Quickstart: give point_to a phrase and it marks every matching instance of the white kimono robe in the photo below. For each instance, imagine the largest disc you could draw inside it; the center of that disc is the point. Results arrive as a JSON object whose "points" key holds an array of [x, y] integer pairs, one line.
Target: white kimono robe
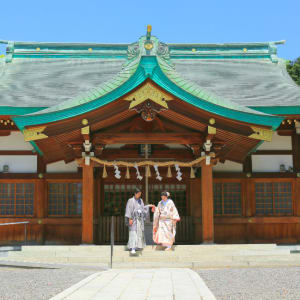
{"points": [[164, 227]]}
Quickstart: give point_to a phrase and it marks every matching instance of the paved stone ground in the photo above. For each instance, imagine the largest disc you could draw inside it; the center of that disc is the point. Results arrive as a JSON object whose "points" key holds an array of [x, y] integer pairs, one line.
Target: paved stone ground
{"points": [[140, 284], [29, 281], [253, 283]]}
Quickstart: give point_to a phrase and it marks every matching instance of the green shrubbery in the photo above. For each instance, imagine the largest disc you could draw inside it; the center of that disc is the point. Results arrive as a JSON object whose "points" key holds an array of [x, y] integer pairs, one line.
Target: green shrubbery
{"points": [[293, 68]]}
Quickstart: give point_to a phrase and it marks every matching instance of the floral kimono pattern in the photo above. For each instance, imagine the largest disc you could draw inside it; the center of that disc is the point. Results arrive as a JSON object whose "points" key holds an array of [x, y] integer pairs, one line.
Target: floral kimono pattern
{"points": [[164, 227]]}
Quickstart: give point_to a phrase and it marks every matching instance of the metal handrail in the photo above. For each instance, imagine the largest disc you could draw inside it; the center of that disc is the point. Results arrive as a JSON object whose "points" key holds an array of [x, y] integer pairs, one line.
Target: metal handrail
{"points": [[17, 223], [112, 240]]}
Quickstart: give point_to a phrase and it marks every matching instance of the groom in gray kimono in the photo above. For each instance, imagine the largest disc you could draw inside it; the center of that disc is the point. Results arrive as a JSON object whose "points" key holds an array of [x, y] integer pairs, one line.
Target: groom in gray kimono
{"points": [[135, 216]]}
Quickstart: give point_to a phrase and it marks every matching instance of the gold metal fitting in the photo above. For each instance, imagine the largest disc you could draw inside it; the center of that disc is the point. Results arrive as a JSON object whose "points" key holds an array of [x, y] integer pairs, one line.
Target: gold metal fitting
{"points": [[212, 121], [84, 122]]}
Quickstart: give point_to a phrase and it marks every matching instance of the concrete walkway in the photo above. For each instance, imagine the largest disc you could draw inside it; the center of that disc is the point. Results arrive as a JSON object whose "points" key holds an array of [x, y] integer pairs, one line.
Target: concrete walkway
{"points": [[139, 284]]}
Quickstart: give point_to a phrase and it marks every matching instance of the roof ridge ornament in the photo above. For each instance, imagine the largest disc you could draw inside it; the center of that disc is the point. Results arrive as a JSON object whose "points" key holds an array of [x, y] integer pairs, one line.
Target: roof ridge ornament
{"points": [[148, 44]]}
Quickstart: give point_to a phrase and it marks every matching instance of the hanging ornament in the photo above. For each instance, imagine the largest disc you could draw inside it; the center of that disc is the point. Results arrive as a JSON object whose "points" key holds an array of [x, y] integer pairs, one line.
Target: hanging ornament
{"points": [[179, 174], [169, 174], [148, 171], [104, 174], [192, 174], [138, 174], [127, 176], [117, 172], [158, 177]]}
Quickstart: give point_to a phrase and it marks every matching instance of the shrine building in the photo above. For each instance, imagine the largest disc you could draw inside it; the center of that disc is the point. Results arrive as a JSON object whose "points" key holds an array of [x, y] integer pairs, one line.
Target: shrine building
{"points": [[83, 124]]}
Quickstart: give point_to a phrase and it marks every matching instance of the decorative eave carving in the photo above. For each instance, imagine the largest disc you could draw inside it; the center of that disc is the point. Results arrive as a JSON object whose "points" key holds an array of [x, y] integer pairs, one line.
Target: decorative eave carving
{"points": [[261, 134], [35, 133], [148, 110], [146, 92]]}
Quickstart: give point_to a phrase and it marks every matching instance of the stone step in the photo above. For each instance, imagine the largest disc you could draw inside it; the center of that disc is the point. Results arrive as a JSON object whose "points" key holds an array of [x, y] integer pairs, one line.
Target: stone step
{"points": [[51, 259], [92, 248], [136, 262], [164, 257], [146, 254]]}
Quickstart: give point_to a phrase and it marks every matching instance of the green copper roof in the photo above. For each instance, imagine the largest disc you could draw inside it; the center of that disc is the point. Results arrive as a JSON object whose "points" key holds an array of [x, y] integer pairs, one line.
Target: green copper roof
{"points": [[18, 111], [61, 76], [149, 67]]}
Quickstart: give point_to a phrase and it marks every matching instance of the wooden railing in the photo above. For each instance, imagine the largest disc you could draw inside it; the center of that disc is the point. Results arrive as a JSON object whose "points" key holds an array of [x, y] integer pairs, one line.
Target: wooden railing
{"points": [[18, 223], [184, 228]]}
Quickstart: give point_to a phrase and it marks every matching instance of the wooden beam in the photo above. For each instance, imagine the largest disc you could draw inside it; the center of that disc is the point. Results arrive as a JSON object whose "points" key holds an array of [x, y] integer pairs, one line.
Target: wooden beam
{"points": [[207, 204], [272, 152], [5, 132], [88, 204], [17, 152], [180, 154], [147, 138]]}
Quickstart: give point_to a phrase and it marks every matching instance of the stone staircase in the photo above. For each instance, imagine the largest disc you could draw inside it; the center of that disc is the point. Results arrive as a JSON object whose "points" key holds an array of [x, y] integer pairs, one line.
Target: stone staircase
{"points": [[188, 256], [6, 250]]}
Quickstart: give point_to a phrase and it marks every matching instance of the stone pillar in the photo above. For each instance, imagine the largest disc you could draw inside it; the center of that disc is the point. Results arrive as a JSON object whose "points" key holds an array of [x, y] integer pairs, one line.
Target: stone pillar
{"points": [[207, 204], [88, 195]]}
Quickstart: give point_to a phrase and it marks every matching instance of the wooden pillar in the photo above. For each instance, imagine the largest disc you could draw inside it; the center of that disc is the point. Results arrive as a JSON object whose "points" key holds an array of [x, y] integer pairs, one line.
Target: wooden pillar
{"points": [[195, 208], [88, 204], [41, 166], [296, 152], [247, 165], [40, 205], [207, 204]]}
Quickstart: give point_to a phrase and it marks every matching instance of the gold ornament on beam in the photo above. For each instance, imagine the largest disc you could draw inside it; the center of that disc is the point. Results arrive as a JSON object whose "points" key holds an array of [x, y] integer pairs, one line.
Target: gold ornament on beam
{"points": [[261, 134], [104, 174], [127, 176], [169, 174], [192, 175], [145, 92], [33, 134]]}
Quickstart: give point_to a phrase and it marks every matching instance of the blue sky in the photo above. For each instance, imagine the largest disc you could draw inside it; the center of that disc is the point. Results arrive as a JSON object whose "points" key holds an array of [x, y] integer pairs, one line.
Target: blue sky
{"points": [[172, 21]]}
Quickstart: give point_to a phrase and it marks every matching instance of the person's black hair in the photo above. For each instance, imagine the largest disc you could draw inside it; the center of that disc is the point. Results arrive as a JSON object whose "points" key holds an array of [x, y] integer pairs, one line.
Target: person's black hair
{"points": [[164, 193], [137, 190]]}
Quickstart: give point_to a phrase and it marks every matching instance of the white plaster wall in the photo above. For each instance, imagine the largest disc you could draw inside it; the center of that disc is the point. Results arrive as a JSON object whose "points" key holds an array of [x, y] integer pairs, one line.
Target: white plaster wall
{"points": [[14, 141], [19, 163], [278, 143], [270, 163], [62, 167], [228, 166]]}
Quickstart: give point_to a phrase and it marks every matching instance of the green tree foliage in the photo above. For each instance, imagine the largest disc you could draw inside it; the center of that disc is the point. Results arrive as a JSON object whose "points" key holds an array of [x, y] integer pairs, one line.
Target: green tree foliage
{"points": [[293, 68]]}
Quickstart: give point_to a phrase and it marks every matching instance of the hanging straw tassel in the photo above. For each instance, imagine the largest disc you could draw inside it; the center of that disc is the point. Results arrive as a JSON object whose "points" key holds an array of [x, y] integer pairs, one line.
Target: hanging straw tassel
{"points": [[192, 175], [127, 176], [148, 171], [169, 174], [104, 174]]}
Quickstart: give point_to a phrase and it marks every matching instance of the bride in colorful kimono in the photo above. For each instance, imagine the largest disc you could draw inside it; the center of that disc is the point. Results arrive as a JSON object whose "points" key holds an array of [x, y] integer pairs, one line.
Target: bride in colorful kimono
{"points": [[164, 222]]}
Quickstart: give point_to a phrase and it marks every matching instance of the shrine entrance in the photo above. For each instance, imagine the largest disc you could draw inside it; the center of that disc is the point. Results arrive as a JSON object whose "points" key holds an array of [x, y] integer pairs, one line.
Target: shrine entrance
{"points": [[115, 196]]}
